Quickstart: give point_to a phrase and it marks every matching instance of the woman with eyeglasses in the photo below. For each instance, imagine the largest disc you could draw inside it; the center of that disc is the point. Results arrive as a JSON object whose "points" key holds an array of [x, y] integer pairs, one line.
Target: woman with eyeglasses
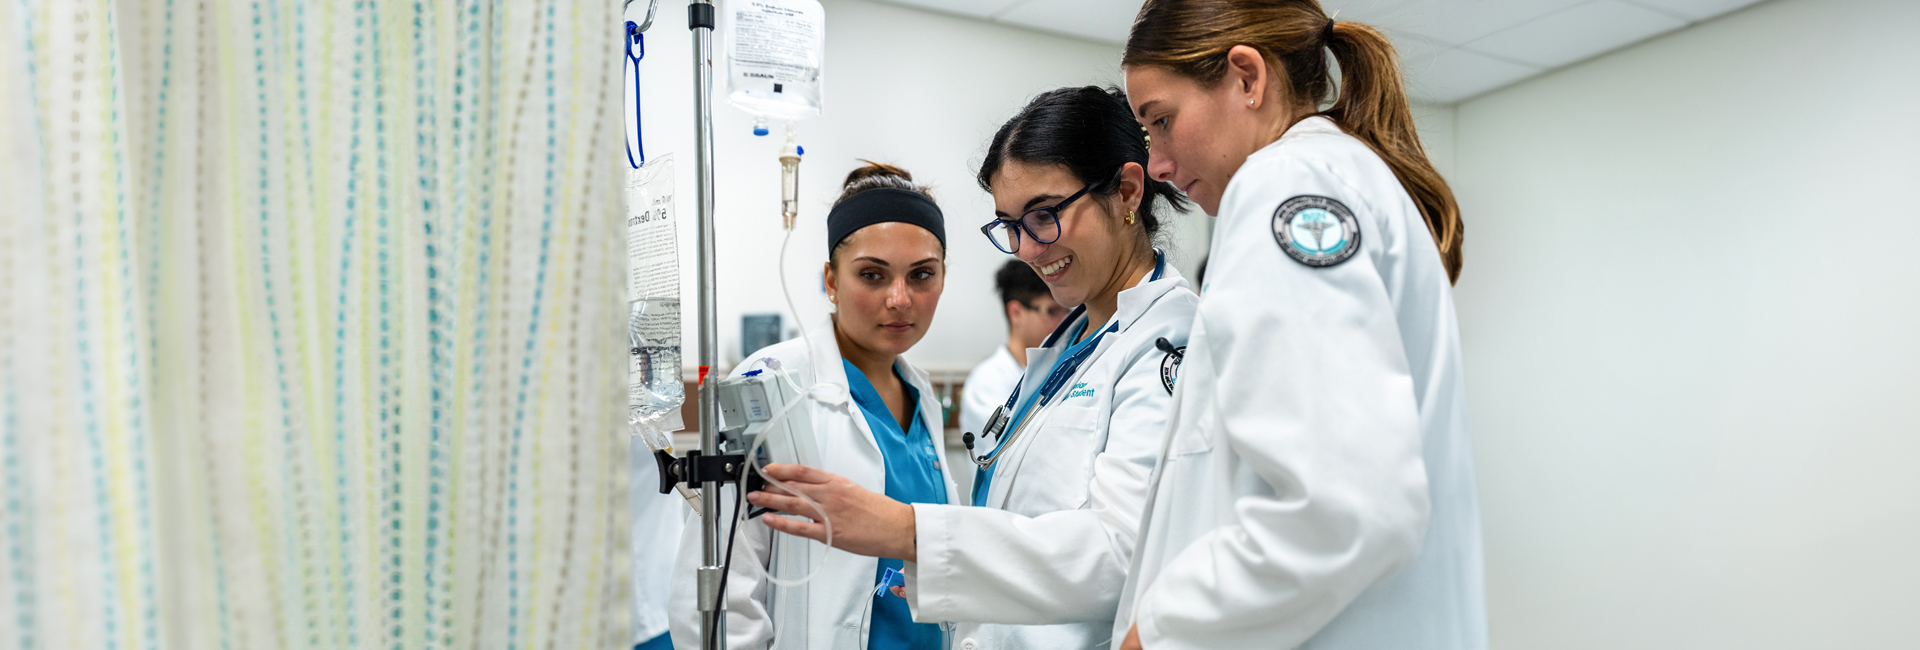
{"points": [[1062, 467]]}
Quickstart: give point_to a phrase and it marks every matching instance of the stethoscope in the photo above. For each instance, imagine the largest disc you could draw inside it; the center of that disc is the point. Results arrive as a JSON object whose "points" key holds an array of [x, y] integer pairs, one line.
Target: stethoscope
{"points": [[1062, 375]]}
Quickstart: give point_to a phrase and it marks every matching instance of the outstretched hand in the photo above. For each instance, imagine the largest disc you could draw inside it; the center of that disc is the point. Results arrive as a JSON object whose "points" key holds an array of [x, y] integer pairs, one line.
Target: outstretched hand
{"points": [[864, 523]]}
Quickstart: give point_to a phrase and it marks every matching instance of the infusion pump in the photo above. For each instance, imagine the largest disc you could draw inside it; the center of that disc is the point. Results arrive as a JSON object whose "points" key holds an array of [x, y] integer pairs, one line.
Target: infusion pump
{"points": [[748, 404]]}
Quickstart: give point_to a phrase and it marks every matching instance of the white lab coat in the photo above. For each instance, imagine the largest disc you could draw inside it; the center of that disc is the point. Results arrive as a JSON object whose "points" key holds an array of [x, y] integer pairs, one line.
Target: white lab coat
{"points": [[987, 387], [1317, 486], [657, 522], [1042, 565], [832, 611]]}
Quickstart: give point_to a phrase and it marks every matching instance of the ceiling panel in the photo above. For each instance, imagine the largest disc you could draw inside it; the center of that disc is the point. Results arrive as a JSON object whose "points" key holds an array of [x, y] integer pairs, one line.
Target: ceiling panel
{"points": [[1453, 49], [1577, 34], [1696, 10], [1454, 22], [1103, 20], [1455, 74], [974, 8]]}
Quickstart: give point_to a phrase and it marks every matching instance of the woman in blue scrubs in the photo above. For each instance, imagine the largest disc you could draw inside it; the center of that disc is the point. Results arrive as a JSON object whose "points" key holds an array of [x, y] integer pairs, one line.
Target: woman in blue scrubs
{"points": [[885, 271]]}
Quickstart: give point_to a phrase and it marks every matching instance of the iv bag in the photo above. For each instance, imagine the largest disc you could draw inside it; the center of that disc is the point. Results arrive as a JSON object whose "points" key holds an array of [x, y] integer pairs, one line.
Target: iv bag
{"points": [[774, 53], [654, 388]]}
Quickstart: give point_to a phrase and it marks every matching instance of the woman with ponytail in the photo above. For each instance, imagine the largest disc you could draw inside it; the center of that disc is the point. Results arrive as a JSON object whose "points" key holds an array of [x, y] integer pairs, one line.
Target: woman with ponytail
{"points": [[1316, 485]]}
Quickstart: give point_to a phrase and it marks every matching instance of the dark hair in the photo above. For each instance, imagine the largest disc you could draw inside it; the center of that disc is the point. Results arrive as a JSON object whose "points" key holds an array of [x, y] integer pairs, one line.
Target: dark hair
{"points": [[1191, 38], [1089, 130], [876, 176], [1018, 282]]}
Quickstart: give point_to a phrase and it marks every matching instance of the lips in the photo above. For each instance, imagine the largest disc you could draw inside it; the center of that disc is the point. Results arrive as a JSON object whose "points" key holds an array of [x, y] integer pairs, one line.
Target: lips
{"points": [[897, 327], [1054, 270]]}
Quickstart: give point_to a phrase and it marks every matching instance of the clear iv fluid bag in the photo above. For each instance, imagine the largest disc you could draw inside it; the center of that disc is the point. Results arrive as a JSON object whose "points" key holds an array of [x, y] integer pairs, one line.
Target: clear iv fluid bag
{"points": [[654, 385], [775, 49]]}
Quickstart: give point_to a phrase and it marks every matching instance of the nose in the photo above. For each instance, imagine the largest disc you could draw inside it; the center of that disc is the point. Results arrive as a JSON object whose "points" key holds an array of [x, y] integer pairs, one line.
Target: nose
{"points": [[898, 297], [1030, 250], [1159, 166]]}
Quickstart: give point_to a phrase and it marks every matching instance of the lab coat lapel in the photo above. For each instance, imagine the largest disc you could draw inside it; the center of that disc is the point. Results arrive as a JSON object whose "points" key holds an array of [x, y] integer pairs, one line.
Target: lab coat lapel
{"points": [[929, 406], [831, 370], [1005, 477]]}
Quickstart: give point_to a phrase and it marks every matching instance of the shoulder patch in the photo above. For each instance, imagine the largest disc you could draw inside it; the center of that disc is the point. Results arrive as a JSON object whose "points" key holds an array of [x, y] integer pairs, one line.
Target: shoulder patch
{"points": [[1170, 368], [1316, 231]]}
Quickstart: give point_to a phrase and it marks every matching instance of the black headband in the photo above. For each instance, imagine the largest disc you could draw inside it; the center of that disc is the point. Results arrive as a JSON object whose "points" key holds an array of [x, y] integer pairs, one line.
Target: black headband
{"points": [[881, 206]]}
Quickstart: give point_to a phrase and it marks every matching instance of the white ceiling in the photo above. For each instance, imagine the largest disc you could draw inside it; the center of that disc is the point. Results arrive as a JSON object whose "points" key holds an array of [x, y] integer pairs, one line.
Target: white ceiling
{"points": [[1452, 49]]}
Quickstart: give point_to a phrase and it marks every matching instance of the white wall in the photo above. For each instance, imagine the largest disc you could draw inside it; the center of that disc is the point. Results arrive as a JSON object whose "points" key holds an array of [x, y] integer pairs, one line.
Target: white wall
{"points": [[1691, 312], [917, 89]]}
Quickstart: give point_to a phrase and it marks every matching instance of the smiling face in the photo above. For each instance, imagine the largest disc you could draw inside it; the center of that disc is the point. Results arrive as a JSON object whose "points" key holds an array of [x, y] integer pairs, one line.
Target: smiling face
{"points": [[1088, 260], [886, 281]]}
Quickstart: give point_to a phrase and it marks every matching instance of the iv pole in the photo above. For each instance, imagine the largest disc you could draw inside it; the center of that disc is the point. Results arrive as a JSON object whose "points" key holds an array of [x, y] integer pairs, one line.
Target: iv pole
{"points": [[700, 20], [713, 626]]}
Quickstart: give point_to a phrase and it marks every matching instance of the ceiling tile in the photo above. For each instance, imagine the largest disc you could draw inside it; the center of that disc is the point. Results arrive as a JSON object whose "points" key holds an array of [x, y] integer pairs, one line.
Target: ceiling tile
{"points": [[1455, 74], [1453, 22], [1577, 34], [1696, 10], [1102, 20], [974, 8]]}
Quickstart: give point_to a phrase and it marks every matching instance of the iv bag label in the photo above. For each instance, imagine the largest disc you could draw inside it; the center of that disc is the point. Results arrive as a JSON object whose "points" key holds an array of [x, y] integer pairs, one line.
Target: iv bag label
{"points": [[654, 386], [777, 42]]}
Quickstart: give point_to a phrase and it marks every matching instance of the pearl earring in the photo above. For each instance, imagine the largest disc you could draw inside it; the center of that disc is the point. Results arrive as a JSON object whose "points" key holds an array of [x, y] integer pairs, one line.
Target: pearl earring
{"points": [[1129, 217]]}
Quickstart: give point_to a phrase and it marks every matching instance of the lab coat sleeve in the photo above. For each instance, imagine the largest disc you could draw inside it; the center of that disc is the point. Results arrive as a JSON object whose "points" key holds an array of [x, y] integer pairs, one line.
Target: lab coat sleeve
{"points": [[1314, 406], [993, 566], [749, 625]]}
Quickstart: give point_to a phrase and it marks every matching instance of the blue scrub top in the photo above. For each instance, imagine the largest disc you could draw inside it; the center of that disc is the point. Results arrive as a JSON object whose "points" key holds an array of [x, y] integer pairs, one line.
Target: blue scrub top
{"points": [[913, 476]]}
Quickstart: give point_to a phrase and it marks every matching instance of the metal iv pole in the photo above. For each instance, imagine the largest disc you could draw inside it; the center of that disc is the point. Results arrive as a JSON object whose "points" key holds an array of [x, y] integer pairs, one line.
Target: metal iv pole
{"points": [[713, 623]]}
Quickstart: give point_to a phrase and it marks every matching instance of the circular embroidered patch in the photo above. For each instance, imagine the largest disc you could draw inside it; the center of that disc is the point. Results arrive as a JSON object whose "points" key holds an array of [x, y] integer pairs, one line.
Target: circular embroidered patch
{"points": [[1316, 231], [1170, 368]]}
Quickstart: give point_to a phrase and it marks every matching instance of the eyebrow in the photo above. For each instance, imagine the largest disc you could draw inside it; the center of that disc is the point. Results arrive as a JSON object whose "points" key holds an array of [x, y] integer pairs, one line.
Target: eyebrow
{"points": [[881, 262], [1036, 200], [1148, 105]]}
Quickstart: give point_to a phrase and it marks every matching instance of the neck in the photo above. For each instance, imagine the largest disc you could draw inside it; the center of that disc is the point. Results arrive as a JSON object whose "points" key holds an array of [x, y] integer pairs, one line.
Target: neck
{"points": [[1102, 305], [1277, 125], [877, 366], [1018, 349]]}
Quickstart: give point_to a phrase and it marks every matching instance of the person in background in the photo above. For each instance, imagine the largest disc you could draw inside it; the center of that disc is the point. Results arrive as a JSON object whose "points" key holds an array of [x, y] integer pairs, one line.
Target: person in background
{"points": [[657, 523], [1031, 315]]}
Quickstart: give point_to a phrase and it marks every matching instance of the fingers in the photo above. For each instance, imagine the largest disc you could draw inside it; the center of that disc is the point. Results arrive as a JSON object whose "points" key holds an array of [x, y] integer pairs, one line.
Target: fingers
{"points": [[899, 591], [784, 503], [797, 527], [791, 473]]}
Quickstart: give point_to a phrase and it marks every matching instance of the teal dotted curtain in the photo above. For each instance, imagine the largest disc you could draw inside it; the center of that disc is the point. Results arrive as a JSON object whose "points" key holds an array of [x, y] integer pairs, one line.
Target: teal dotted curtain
{"points": [[311, 325]]}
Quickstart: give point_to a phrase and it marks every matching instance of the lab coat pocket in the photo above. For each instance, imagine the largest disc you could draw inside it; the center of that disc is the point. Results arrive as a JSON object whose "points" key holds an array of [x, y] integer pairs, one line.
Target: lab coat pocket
{"points": [[1058, 462]]}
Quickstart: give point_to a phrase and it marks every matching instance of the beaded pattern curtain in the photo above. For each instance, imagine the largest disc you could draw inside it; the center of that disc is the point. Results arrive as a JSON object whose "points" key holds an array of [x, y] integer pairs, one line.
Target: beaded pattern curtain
{"points": [[311, 325]]}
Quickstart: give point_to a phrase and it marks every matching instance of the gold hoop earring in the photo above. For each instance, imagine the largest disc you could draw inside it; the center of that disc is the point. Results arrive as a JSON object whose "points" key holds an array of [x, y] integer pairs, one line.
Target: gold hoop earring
{"points": [[1129, 217]]}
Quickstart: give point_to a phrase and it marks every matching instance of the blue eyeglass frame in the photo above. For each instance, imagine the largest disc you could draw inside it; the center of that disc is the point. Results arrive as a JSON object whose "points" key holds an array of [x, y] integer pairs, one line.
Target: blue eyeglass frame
{"points": [[1022, 224]]}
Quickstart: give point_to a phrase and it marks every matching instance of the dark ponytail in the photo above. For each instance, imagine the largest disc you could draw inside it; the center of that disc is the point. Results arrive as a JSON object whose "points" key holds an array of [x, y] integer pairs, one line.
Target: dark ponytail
{"points": [[1191, 38], [1090, 131]]}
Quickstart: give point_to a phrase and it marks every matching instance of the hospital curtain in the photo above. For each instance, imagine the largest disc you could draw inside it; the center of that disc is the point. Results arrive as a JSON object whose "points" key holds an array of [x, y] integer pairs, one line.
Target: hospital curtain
{"points": [[311, 325]]}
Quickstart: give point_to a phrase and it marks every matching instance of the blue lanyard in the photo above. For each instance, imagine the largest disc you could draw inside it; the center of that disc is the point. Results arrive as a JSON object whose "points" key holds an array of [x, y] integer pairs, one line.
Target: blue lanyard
{"points": [[635, 39]]}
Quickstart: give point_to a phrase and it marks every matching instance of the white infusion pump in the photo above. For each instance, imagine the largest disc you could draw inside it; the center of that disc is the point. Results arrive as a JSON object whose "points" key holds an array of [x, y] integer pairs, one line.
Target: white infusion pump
{"points": [[748, 404]]}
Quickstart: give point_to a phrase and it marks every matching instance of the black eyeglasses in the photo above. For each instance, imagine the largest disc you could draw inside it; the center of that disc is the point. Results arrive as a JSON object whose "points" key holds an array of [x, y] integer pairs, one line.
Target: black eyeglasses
{"points": [[1042, 224]]}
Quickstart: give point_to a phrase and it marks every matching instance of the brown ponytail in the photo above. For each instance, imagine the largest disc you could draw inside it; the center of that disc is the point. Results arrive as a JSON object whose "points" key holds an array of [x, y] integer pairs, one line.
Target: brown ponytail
{"points": [[1191, 38]]}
